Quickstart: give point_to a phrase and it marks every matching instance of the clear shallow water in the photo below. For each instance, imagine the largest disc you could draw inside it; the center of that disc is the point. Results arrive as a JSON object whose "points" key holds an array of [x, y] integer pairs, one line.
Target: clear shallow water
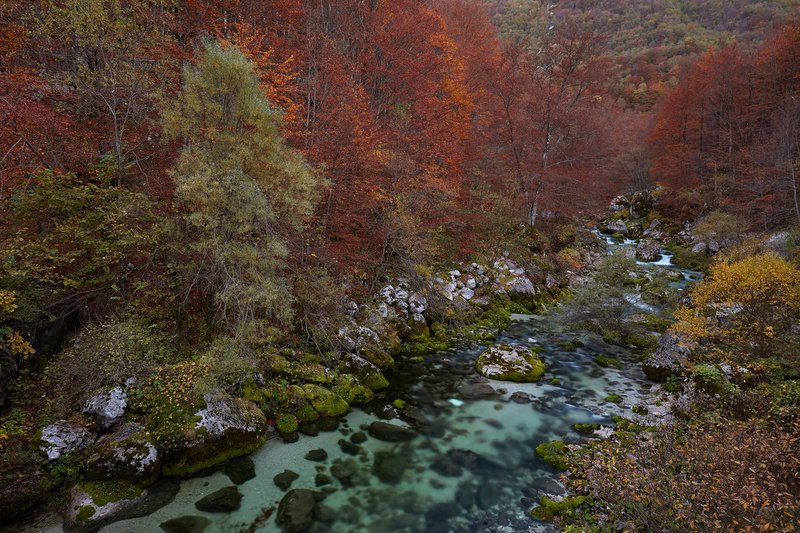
{"points": [[493, 494]]}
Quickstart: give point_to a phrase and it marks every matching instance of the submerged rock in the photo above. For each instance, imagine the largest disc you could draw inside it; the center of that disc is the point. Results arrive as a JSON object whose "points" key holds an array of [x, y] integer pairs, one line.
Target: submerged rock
{"points": [[477, 391], [186, 524], [391, 432], [348, 447], [509, 363], [296, 511], [225, 500], [317, 455], [240, 470], [389, 467], [344, 470], [520, 397], [285, 479]]}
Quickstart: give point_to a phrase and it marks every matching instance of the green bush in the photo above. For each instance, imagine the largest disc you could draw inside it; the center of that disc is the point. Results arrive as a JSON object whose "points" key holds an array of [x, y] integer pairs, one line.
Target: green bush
{"points": [[101, 356]]}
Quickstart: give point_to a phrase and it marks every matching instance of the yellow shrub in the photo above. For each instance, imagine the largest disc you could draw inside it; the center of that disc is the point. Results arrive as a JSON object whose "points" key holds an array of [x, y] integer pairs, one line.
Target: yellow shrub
{"points": [[744, 305], [7, 302]]}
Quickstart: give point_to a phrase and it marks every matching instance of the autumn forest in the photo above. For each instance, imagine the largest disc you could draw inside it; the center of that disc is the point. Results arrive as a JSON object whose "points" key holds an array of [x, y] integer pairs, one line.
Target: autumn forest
{"points": [[231, 229]]}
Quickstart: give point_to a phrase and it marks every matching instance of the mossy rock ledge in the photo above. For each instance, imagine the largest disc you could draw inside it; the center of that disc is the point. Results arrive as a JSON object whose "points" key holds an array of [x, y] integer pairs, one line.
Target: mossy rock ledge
{"points": [[509, 363]]}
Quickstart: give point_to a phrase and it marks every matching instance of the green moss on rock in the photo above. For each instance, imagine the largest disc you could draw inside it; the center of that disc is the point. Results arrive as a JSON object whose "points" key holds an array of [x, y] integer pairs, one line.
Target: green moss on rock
{"points": [[105, 492], [554, 454], [509, 363], [286, 423], [325, 402], [351, 390], [549, 508], [605, 361], [586, 429], [614, 398], [85, 513]]}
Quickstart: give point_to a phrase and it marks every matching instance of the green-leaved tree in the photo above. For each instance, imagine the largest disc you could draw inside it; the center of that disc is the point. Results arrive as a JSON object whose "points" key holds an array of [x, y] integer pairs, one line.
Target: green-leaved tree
{"points": [[243, 193]]}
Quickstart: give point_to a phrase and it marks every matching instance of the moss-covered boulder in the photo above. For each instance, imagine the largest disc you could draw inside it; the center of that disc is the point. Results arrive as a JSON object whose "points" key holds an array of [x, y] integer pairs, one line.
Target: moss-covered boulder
{"points": [[95, 505], [127, 455], [509, 363], [299, 367], [351, 390], [554, 454], [286, 423], [324, 401], [378, 356], [225, 428], [367, 373]]}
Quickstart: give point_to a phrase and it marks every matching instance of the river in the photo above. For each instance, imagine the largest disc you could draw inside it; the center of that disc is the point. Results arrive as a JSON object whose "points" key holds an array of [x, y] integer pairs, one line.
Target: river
{"points": [[471, 468]]}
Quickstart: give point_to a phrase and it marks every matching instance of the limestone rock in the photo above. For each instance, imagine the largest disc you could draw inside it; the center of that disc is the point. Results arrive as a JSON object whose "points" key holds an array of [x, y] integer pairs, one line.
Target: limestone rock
{"points": [[648, 250], [107, 407], [84, 514], [62, 437], [670, 358], [509, 363], [127, 454], [618, 226], [226, 427]]}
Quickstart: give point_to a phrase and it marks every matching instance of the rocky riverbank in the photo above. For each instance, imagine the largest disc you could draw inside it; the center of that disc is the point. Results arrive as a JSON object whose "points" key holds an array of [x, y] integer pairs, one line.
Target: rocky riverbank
{"points": [[119, 441]]}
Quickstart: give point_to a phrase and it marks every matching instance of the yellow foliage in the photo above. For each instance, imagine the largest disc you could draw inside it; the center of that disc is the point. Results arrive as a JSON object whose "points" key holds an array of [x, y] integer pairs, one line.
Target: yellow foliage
{"points": [[18, 346], [744, 304], [7, 302]]}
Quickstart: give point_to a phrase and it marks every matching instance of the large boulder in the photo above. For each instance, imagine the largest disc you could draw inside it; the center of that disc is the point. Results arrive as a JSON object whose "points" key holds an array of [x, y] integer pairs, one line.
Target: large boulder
{"points": [[62, 437], [351, 390], [617, 226], [226, 427], [648, 250], [127, 455], [670, 358], [521, 289], [509, 363], [94, 507], [107, 407]]}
